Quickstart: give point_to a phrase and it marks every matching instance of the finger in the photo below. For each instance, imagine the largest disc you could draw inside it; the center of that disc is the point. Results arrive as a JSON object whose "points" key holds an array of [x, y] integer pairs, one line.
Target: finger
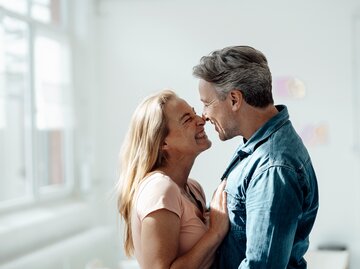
{"points": [[224, 200]]}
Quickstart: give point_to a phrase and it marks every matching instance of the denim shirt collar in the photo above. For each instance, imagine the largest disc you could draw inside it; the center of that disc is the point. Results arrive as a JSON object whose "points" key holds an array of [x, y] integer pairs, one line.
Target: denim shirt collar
{"points": [[263, 133]]}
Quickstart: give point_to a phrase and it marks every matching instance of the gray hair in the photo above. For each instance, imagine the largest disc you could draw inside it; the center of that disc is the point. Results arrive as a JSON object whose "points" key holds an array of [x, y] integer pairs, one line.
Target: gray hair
{"points": [[238, 67]]}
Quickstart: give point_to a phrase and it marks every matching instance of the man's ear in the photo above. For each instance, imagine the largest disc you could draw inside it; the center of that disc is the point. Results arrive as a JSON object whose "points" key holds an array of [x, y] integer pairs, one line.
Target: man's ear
{"points": [[236, 99]]}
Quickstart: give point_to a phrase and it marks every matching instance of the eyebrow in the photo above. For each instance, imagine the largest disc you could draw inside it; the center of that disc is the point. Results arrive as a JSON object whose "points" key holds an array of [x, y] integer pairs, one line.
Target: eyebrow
{"points": [[186, 115]]}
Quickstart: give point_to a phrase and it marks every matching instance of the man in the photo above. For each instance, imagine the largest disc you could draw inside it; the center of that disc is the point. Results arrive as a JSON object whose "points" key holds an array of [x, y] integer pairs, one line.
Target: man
{"points": [[272, 193]]}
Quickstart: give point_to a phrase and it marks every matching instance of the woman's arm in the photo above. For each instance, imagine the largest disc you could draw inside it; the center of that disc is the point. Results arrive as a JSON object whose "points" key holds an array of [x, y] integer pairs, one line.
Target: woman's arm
{"points": [[160, 238]]}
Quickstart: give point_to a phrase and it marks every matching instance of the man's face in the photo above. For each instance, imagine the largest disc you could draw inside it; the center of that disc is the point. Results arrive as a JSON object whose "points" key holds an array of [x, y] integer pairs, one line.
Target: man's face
{"points": [[218, 112]]}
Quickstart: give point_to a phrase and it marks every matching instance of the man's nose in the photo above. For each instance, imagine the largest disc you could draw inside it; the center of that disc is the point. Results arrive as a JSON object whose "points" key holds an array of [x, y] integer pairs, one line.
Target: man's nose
{"points": [[205, 118]]}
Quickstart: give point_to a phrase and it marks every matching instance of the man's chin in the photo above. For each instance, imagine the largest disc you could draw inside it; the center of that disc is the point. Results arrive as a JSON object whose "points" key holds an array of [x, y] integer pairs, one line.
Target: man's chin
{"points": [[224, 137]]}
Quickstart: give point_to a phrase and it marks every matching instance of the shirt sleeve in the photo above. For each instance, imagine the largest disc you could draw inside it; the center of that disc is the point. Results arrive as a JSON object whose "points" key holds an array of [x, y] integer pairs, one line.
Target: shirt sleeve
{"points": [[159, 193], [273, 205], [198, 191]]}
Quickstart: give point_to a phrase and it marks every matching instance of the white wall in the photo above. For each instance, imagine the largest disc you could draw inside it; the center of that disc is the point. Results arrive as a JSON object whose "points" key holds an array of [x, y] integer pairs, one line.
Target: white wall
{"points": [[144, 46]]}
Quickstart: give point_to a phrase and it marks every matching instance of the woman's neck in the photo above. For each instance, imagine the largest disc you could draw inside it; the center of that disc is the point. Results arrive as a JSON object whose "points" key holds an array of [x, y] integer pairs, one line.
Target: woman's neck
{"points": [[178, 173]]}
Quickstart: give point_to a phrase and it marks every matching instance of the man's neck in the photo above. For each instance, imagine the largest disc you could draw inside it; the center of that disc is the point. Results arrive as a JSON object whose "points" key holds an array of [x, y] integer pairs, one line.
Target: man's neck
{"points": [[254, 118]]}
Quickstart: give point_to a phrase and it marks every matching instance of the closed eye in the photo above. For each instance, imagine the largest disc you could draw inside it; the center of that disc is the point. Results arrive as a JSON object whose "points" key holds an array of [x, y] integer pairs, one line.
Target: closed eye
{"points": [[189, 119], [210, 103]]}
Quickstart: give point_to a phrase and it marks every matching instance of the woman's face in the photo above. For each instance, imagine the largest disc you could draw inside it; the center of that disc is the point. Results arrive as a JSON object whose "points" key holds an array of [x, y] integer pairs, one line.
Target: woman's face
{"points": [[187, 137]]}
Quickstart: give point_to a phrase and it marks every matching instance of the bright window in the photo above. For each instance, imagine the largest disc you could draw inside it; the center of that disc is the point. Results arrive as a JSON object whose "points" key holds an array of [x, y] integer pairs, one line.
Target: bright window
{"points": [[35, 102]]}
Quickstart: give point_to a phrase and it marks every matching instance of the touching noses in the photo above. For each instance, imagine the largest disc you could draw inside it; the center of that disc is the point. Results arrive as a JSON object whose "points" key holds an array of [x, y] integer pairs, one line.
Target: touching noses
{"points": [[201, 120], [204, 117]]}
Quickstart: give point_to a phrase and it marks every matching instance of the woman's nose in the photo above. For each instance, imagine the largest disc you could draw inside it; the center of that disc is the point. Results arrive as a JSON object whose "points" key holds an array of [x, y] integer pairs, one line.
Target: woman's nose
{"points": [[201, 120]]}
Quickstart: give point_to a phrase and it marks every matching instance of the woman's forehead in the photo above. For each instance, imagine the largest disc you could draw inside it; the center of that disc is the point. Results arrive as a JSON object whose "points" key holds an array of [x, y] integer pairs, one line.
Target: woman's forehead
{"points": [[176, 107]]}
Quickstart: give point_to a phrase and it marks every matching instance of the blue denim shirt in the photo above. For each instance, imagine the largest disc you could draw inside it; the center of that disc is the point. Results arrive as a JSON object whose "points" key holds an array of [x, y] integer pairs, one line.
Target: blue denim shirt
{"points": [[272, 200]]}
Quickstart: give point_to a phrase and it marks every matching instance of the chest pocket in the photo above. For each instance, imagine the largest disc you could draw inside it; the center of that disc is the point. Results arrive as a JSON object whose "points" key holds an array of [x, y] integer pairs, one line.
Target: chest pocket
{"points": [[236, 196], [237, 211]]}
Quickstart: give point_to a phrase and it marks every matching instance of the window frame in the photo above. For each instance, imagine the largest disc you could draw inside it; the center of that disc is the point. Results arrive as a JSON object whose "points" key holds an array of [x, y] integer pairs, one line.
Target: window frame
{"points": [[38, 194]]}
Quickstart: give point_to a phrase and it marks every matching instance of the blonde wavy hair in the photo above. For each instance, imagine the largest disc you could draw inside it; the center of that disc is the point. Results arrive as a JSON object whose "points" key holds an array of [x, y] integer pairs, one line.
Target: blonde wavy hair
{"points": [[141, 153]]}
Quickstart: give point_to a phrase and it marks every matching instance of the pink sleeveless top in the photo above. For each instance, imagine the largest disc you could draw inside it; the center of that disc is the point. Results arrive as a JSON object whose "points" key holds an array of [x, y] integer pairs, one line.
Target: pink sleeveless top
{"points": [[158, 191]]}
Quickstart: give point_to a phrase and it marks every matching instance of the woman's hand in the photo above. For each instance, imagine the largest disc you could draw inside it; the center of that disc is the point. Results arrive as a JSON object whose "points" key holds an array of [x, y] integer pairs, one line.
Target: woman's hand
{"points": [[219, 219], [160, 237]]}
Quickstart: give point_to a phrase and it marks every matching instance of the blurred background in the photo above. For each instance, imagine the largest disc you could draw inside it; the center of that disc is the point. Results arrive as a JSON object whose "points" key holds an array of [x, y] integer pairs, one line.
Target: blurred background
{"points": [[73, 71]]}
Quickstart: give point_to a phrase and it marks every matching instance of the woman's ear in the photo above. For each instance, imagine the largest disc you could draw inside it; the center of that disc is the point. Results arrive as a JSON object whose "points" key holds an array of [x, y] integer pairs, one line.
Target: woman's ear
{"points": [[165, 145], [236, 99]]}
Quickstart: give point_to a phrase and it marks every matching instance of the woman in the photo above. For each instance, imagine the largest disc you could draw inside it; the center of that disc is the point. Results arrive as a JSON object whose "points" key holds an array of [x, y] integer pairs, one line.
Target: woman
{"points": [[166, 222]]}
